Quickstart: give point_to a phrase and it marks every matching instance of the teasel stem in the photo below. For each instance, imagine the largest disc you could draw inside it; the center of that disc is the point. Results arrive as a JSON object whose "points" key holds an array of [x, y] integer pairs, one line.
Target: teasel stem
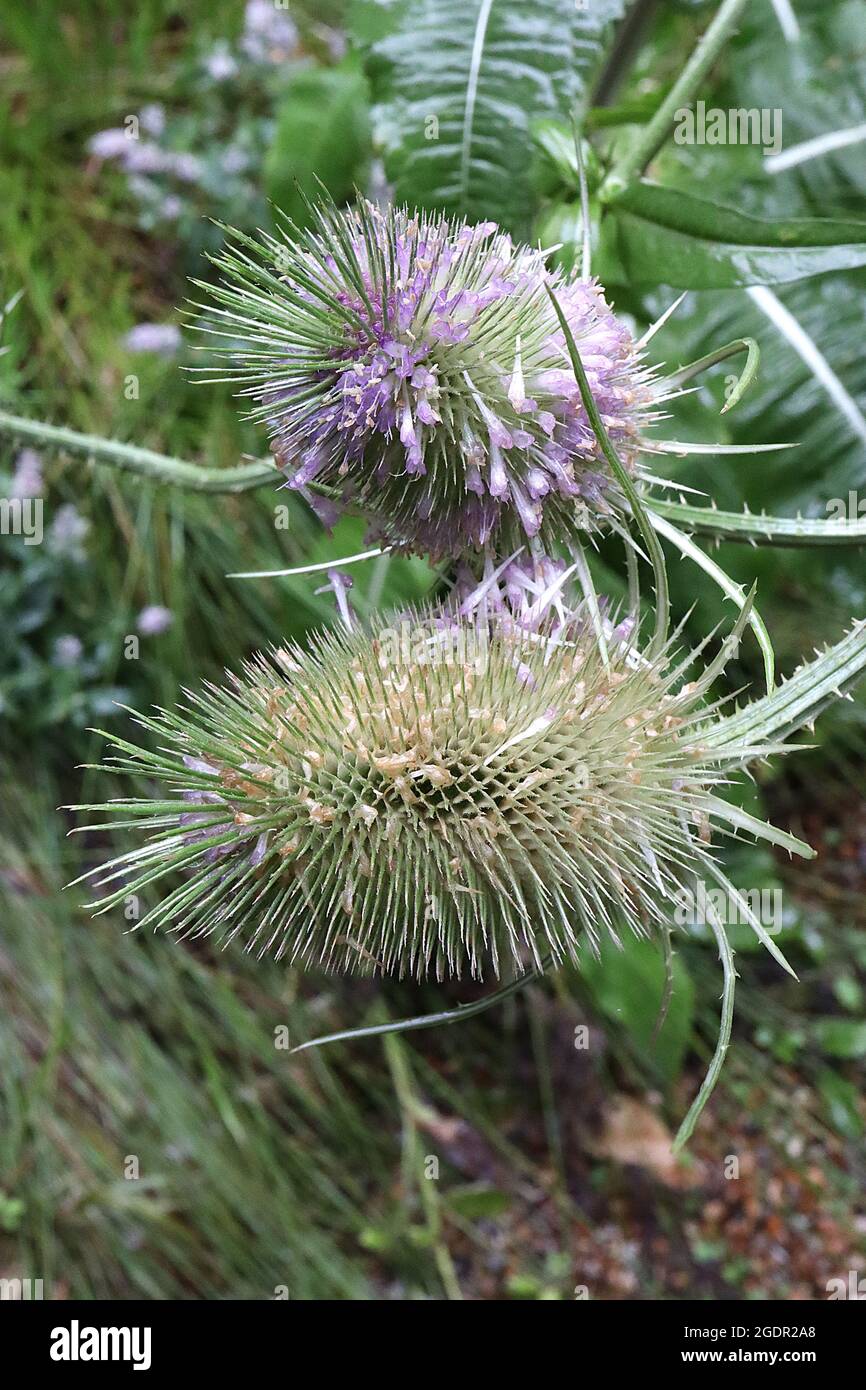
{"points": [[159, 468], [706, 52], [761, 530], [463, 1011], [641, 516]]}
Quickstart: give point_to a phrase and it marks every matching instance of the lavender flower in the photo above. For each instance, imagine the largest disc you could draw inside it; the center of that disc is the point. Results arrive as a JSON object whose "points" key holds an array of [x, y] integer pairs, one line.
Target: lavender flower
{"points": [[269, 35], [68, 532], [68, 651], [144, 157], [27, 478], [235, 160], [154, 619], [171, 208], [164, 339], [110, 144], [220, 63], [414, 368], [152, 119], [186, 167]]}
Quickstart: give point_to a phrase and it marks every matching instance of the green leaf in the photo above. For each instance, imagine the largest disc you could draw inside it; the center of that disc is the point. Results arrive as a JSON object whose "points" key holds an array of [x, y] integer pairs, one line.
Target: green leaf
{"points": [[849, 992], [478, 1202], [459, 86], [842, 1099], [652, 234], [628, 986], [801, 597], [827, 69], [322, 136], [841, 1037], [368, 21], [799, 699]]}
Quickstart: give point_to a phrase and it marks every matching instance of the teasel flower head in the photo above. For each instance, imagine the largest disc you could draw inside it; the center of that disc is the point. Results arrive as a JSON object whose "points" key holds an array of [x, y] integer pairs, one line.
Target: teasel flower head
{"points": [[450, 795], [413, 368]]}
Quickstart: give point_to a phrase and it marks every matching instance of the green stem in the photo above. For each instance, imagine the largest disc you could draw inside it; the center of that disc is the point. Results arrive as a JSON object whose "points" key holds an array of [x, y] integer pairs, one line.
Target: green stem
{"points": [[761, 530], [414, 1164], [730, 975], [639, 512], [463, 1011], [159, 468], [654, 135]]}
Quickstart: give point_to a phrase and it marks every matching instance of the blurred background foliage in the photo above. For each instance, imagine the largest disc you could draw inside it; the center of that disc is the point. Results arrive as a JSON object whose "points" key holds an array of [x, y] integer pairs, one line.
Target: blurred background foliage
{"points": [[260, 1174]]}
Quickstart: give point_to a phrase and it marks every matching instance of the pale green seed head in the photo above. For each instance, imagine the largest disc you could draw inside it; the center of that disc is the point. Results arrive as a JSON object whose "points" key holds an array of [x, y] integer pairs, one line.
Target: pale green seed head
{"points": [[436, 798]]}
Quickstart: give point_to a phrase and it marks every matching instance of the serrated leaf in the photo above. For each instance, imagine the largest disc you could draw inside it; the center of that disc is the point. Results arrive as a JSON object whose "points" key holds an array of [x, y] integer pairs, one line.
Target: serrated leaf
{"points": [[459, 85]]}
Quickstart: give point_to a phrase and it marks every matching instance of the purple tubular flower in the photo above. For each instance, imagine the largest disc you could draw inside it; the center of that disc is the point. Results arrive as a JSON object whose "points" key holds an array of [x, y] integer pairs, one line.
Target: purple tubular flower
{"points": [[413, 368]]}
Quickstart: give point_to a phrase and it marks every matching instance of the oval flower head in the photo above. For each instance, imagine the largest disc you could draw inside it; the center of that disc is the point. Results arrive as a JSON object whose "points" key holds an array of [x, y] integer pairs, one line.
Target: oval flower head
{"points": [[413, 368], [446, 797]]}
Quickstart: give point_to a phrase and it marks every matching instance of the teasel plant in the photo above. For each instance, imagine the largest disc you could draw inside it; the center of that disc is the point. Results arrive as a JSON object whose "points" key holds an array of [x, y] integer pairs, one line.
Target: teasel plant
{"points": [[444, 383], [539, 772]]}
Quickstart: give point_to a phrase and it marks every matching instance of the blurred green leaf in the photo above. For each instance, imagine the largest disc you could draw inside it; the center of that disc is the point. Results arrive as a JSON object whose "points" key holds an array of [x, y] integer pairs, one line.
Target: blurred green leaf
{"points": [[656, 235], [477, 1203], [841, 1037], [628, 986], [459, 85], [842, 1099], [322, 135], [849, 992]]}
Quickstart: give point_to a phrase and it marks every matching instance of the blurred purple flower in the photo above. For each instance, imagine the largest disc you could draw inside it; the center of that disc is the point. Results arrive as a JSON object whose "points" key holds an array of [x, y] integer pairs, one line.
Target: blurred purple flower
{"points": [[27, 478], [162, 338], [269, 34], [154, 619], [68, 651], [110, 144], [67, 533], [143, 157], [187, 167], [235, 160], [220, 64], [152, 119]]}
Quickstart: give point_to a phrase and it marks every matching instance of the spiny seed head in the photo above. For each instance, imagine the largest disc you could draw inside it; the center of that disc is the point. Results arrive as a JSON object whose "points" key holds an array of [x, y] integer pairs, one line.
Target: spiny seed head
{"points": [[414, 368], [442, 797]]}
